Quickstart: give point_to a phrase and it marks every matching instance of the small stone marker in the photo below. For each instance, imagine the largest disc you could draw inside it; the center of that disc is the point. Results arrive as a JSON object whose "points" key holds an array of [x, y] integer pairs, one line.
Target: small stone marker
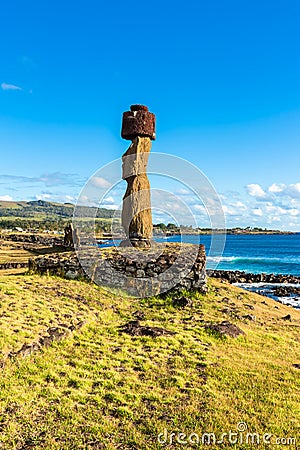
{"points": [[138, 126]]}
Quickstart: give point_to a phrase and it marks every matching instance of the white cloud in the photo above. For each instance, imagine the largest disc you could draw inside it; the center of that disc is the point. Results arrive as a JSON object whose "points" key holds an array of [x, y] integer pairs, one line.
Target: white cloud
{"points": [[276, 210], [274, 219], [109, 206], [255, 190], [110, 203], [10, 87], [58, 178], [239, 205], [108, 200], [276, 188], [43, 196], [183, 191], [199, 209], [49, 179], [293, 190], [257, 212], [100, 182], [6, 198], [70, 198], [274, 206], [58, 197], [229, 211]]}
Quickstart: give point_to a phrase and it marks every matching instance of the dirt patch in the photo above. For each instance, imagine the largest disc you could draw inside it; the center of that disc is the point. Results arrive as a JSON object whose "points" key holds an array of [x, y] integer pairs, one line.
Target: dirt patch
{"points": [[134, 328], [225, 329], [182, 302]]}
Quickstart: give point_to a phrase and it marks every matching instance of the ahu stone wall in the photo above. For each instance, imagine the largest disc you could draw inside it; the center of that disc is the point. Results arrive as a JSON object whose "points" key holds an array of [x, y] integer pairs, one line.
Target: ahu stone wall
{"points": [[164, 267]]}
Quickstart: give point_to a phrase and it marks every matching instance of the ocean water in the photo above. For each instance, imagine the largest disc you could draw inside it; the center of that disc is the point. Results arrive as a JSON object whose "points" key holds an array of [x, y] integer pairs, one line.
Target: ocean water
{"points": [[278, 254]]}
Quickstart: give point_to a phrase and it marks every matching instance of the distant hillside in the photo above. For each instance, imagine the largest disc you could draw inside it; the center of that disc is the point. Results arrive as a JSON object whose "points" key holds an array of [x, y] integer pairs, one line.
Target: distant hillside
{"points": [[41, 209]]}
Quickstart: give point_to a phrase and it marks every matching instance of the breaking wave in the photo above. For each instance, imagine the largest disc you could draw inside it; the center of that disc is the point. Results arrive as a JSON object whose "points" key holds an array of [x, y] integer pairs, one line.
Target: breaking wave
{"points": [[255, 259]]}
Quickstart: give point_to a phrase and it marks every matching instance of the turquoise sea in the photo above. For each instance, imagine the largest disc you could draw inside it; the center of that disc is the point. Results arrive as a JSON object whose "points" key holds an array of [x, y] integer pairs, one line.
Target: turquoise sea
{"points": [[279, 254]]}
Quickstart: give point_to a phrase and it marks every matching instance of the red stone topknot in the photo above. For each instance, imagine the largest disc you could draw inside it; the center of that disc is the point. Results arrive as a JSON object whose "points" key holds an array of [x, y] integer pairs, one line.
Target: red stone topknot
{"points": [[138, 122]]}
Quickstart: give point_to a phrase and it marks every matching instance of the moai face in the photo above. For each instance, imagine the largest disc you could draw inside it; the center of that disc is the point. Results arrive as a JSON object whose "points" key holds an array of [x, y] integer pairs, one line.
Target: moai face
{"points": [[138, 122]]}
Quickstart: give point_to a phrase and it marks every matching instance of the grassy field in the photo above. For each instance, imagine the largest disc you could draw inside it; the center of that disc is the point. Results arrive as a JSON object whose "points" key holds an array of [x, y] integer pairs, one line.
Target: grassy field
{"points": [[13, 252], [104, 389]]}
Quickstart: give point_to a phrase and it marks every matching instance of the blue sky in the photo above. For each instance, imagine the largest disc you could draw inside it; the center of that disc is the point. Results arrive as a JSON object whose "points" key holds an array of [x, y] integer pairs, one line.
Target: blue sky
{"points": [[221, 77]]}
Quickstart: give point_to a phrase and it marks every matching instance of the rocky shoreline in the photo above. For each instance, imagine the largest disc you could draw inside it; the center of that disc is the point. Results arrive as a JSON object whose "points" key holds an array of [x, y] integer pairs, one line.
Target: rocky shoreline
{"points": [[280, 287], [237, 276]]}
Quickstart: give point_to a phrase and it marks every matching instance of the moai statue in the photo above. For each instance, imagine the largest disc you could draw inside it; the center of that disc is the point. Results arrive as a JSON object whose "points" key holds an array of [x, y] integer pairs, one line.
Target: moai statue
{"points": [[71, 237], [139, 127]]}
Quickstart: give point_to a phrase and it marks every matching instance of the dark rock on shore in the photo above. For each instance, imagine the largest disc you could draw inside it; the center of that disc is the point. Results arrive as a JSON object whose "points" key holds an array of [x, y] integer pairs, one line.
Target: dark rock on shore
{"points": [[238, 276], [285, 291], [268, 283]]}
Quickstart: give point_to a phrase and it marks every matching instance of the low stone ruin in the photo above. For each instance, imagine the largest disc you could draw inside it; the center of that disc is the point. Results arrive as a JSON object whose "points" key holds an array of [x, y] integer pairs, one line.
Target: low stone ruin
{"points": [[47, 241], [117, 270]]}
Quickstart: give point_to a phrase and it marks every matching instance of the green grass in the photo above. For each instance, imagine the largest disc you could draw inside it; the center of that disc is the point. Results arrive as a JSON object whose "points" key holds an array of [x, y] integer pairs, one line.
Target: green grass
{"points": [[100, 388], [13, 252]]}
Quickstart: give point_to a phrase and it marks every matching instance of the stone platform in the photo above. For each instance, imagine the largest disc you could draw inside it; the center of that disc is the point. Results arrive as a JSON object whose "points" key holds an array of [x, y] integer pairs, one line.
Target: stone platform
{"points": [[164, 267]]}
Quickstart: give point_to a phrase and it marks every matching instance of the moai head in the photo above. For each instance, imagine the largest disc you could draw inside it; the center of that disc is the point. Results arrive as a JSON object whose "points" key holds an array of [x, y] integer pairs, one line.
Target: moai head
{"points": [[138, 122]]}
